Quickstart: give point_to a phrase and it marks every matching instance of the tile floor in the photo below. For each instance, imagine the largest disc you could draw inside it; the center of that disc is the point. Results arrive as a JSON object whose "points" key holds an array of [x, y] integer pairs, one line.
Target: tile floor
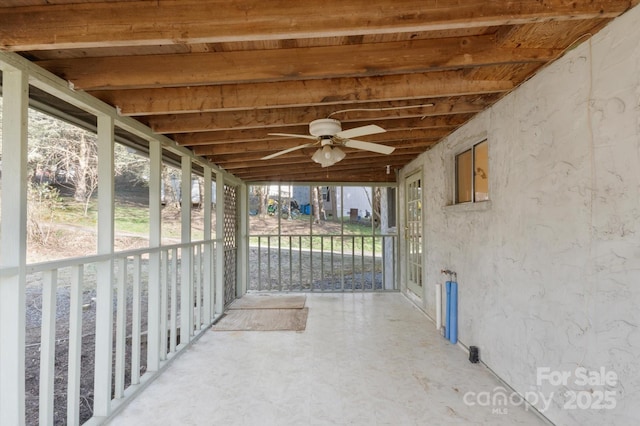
{"points": [[364, 359]]}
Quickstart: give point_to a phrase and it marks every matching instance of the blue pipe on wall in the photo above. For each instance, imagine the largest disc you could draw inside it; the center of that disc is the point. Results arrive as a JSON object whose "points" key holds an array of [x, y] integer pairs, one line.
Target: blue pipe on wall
{"points": [[447, 321], [453, 321]]}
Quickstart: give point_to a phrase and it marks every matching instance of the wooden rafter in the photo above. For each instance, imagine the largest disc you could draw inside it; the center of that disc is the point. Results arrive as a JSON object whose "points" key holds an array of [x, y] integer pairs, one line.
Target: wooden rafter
{"points": [[278, 143], [213, 21], [208, 122], [267, 118], [219, 76], [337, 91], [291, 64]]}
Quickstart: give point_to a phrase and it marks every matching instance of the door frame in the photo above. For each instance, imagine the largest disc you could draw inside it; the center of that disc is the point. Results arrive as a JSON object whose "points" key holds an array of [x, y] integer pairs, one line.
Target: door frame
{"points": [[414, 287]]}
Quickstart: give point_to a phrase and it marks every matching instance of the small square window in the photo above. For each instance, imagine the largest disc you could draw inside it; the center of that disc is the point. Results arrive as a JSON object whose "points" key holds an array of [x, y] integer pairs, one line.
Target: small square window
{"points": [[472, 174]]}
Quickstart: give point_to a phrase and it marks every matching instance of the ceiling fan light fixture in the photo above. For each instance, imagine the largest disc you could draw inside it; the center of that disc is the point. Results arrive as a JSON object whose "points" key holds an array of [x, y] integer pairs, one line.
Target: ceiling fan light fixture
{"points": [[328, 156], [326, 152], [337, 155], [317, 156]]}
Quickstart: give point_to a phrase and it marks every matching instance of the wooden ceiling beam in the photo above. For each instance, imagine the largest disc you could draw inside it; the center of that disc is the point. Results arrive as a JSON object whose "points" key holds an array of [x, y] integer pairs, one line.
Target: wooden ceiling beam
{"points": [[370, 180], [364, 167], [202, 122], [300, 93], [326, 176], [240, 163], [305, 155], [260, 150], [269, 147], [276, 142], [259, 136], [266, 118], [356, 163], [342, 165], [137, 23], [328, 173], [232, 153], [363, 60]]}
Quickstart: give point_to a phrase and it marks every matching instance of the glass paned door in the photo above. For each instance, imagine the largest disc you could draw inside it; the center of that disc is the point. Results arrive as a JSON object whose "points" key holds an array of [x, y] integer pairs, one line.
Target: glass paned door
{"points": [[413, 233]]}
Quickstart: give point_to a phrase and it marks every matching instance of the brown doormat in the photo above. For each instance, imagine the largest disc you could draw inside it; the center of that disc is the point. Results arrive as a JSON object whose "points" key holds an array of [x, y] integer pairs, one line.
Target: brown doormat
{"points": [[269, 301], [263, 320]]}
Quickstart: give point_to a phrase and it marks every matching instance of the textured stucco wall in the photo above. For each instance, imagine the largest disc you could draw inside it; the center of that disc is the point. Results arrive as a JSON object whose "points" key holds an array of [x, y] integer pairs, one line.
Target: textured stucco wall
{"points": [[549, 269]]}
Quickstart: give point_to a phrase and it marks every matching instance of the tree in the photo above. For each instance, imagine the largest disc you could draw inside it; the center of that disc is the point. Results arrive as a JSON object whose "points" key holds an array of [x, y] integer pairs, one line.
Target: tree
{"points": [[261, 193], [67, 156], [334, 202], [376, 206], [131, 166], [44, 202], [171, 178], [318, 204]]}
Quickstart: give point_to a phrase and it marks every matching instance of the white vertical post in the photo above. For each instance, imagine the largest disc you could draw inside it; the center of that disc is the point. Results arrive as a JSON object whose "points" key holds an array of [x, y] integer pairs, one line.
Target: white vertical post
{"points": [[121, 327], [104, 312], [75, 347], [208, 252], [197, 267], [173, 339], [242, 240], [155, 240], [219, 287], [164, 303], [186, 282], [136, 321], [13, 247], [48, 345]]}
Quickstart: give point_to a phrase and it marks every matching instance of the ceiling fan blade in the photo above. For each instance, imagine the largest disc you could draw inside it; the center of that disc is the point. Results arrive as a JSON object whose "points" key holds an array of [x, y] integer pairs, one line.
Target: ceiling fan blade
{"points": [[288, 135], [371, 129], [288, 150], [368, 146]]}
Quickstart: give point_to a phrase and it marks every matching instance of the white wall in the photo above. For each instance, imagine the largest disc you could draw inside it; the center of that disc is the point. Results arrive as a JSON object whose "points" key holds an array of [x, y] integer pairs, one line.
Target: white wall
{"points": [[549, 269], [356, 197]]}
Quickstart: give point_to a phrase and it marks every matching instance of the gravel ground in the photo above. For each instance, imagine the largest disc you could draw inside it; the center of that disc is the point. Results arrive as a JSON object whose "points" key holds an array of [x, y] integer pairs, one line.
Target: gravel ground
{"points": [[313, 272]]}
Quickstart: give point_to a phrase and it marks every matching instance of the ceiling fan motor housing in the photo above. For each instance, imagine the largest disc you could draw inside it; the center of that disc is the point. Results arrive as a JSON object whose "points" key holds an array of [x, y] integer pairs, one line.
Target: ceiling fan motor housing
{"points": [[324, 127]]}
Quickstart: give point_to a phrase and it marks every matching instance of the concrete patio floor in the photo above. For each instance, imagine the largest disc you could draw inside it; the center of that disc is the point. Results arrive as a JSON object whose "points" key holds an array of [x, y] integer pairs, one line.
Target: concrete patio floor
{"points": [[364, 359]]}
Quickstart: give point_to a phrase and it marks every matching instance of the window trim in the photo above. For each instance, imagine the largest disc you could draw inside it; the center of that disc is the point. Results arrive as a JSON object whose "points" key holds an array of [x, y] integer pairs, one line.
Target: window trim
{"points": [[468, 147], [456, 184]]}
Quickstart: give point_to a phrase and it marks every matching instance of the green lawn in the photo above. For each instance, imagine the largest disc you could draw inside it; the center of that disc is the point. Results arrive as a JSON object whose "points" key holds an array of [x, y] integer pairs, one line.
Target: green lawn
{"points": [[347, 236], [128, 218], [134, 219]]}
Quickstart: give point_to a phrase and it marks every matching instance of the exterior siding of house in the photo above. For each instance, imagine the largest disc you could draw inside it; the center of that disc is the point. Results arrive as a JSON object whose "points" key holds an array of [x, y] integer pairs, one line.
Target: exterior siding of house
{"points": [[549, 268]]}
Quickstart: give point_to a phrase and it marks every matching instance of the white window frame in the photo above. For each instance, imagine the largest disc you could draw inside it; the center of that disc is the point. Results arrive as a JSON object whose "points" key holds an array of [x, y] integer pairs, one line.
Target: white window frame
{"points": [[468, 147]]}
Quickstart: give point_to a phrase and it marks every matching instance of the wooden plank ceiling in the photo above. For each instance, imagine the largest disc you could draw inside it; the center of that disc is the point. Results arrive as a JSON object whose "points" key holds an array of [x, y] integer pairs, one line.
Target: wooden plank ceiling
{"points": [[218, 76]]}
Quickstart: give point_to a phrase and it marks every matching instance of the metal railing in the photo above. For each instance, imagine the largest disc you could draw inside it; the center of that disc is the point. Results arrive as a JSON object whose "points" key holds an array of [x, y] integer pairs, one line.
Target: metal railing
{"points": [[323, 262], [150, 314]]}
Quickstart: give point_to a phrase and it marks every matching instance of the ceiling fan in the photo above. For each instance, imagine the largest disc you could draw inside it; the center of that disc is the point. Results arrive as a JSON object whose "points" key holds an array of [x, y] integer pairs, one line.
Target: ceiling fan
{"points": [[329, 134]]}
